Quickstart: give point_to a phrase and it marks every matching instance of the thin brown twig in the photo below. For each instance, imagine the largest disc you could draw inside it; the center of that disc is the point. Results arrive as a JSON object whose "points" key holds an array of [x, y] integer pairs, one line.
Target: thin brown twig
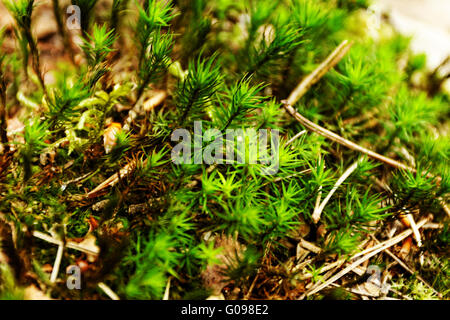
{"points": [[347, 143], [319, 72], [252, 286], [69, 244], [379, 248], [406, 267], [313, 78]]}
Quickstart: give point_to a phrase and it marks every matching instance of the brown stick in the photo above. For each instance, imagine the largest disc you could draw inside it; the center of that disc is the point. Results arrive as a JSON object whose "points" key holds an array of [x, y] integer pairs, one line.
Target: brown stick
{"points": [[112, 180], [313, 78], [347, 143], [407, 268], [319, 72], [381, 247]]}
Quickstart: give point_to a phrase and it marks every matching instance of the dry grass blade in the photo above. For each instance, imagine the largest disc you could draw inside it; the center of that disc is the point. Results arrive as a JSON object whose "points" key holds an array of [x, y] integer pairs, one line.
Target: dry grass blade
{"points": [[328, 267], [318, 210], [298, 135], [414, 228], [167, 291], [407, 268]]}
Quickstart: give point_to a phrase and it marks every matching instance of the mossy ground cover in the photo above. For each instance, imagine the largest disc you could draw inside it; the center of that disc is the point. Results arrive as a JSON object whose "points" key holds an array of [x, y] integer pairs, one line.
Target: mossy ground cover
{"points": [[93, 205]]}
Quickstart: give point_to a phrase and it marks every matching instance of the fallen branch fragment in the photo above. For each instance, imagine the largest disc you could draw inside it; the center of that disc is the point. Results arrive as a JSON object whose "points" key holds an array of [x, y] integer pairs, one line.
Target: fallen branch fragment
{"points": [[372, 252], [310, 80], [107, 290], [69, 244], [446, 209], [158, 98], [111, 181], [347, 143], [310, 246]]}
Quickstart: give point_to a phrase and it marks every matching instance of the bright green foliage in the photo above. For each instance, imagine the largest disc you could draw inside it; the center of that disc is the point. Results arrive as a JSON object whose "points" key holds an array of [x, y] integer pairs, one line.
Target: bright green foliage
{"points": [[123, 144], [200, 84], [99, 45], [8, 288], [151, 258], [63, 100], [419, 189], [242, 98], [266, 53], [156, 60], [198, 28], [97, 48], [21, 10], [34, 136]]}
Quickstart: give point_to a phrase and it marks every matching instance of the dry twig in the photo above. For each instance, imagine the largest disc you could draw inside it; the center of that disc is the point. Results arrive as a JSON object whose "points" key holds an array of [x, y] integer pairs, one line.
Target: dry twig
{"points": [[69, 244], [372, 252], [107, 290], [310, 80], [319, 72], [407, 268]]}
